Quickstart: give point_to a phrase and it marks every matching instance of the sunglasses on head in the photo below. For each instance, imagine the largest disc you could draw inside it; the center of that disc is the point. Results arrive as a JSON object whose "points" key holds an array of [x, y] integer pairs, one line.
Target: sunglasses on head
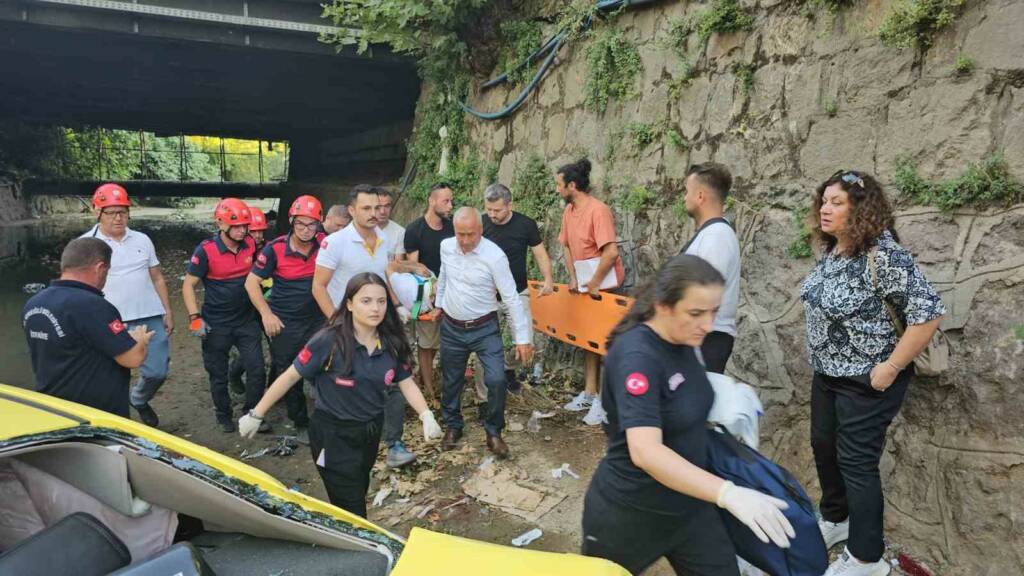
{"points": [[850, 177]]}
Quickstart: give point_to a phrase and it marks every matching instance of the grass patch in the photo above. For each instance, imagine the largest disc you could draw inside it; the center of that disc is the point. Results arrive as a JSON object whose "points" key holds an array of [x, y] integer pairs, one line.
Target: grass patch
{"points": [[831, 108], [964, 65], [744, 76], [636, 199]]}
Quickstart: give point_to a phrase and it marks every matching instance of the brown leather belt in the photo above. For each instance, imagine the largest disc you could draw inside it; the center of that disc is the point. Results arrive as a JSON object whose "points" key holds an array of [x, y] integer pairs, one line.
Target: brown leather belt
{"points": [[467, 324]]}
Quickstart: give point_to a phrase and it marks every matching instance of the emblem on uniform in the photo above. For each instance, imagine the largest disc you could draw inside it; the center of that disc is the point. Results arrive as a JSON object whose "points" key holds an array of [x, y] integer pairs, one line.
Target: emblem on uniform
{"points": [[304, 356], [261, 260], [116, 326], [636, 384], [346, 382], [195, 260], [389, 377], [675, 381]]}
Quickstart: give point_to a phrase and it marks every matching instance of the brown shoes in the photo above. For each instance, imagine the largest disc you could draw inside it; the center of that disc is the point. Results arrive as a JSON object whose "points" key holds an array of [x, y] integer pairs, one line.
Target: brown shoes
{"points": [[497, 446], [451, 438]]}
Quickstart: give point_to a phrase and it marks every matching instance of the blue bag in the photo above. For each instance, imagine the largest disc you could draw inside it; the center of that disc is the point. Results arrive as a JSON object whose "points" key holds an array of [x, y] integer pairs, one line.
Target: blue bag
{"points": [[746, 467]]}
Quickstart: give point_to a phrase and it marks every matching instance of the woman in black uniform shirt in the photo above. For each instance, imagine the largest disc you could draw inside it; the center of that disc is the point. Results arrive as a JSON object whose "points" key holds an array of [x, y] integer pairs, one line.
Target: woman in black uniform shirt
{"points": [[352, 362], [651, 496]]}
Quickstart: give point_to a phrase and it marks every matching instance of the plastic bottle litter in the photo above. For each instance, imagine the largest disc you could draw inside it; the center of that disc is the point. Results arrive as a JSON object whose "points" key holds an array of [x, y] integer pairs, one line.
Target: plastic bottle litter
{"points": [[564, 469], [533, 424], [32, 288], [526, 537], [538, 373]]}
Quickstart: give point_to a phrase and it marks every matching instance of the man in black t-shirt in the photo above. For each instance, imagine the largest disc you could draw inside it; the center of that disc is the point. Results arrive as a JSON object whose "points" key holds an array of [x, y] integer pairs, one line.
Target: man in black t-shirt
{"points": [[81, 350], [514, 233], [423, 238]]}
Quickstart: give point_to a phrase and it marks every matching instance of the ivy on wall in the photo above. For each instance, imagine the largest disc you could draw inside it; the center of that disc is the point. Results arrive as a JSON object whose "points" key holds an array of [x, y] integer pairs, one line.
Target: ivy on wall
{"points": [[613, 64]]}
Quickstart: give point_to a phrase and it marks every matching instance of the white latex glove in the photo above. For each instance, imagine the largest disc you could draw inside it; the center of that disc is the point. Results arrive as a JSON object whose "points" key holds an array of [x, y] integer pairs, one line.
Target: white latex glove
{"points": [[248, 425], [760, 512], [431, 429], [403, 314]]}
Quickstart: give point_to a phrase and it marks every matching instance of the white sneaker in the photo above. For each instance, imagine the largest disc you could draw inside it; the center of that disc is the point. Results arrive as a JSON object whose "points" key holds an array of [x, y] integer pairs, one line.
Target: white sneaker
{"points": [[847, 565], [834, 532], [581, 402], [596, 415]]}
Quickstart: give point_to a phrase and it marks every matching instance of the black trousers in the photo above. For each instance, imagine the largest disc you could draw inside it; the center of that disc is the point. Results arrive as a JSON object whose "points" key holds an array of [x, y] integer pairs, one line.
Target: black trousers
{"points": [[344, 452], [695, 543], [715, 350], [216, 349], [848, 424], [283, 349]]}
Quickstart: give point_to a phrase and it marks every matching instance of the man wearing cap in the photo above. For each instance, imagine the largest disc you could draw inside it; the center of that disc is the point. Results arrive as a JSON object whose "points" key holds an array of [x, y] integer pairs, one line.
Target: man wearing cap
{"points": [[136, 287], [290, 316], [228, 318]]}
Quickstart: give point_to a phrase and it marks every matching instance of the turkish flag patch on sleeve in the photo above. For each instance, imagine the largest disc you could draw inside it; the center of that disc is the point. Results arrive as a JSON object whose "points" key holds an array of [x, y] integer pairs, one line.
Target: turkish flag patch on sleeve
{"points": [[195, 260], [116, 326], [304, 356], [636, 384], [261, 260]]}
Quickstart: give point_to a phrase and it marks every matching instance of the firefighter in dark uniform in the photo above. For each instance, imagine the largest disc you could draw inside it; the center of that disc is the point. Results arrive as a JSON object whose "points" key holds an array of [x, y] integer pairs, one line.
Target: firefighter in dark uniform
{"points": [[291, 316], [651, 496], [227, 319], [353, 362], [81, 350], [236, 368]]}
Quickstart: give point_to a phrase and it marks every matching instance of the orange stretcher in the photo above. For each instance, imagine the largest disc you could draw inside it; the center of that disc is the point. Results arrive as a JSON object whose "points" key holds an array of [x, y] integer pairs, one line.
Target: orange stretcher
{"points": [[578, 319]]}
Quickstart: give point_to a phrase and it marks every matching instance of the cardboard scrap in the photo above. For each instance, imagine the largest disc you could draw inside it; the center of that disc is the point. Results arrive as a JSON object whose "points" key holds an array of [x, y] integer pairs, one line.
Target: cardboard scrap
{"points": [[501, 488]]}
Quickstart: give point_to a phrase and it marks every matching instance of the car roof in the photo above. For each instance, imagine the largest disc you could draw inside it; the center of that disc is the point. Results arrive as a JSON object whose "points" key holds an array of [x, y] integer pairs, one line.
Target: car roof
{"points": [[24, 413]]}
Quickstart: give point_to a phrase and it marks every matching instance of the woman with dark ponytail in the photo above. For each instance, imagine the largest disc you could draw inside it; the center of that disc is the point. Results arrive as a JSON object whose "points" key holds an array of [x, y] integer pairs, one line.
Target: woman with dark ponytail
{"points": [[353, 362], [651, 496]]}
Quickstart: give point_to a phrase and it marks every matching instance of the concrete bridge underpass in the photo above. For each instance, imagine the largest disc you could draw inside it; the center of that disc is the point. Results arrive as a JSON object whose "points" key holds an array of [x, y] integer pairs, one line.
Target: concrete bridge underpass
{"points": [[250, 69]]}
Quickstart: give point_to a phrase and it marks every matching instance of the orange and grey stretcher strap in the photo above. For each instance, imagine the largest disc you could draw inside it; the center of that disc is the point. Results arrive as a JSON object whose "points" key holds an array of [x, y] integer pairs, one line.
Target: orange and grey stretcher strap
{"points": [[578, 319]]}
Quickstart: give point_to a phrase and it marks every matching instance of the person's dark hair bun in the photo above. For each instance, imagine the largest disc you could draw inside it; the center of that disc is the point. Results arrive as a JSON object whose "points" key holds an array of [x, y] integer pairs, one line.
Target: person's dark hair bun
{"points": [[578, 172], [584, 166]]}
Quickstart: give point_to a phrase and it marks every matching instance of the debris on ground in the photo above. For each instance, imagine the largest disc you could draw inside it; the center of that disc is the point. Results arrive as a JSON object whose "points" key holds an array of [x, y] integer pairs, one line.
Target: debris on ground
{"points": [[527, 537], [382, 494], [511, 491], [533, 424], [557, 473], [285, 446]]}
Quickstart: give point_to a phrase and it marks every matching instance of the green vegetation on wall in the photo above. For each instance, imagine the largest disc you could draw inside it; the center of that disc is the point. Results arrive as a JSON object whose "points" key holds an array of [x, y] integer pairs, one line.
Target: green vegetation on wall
{"points": [[800, 246], [914, 23], [519, 39], [723, 17], [533, 187], [613, 64], [964, 65], [986, 183], [635, 198]]}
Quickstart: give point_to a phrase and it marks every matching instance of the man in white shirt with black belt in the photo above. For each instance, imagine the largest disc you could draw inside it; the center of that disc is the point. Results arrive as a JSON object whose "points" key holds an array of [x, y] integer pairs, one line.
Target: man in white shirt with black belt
{"points": [[707, 187], [136, 287], [473, 271]]}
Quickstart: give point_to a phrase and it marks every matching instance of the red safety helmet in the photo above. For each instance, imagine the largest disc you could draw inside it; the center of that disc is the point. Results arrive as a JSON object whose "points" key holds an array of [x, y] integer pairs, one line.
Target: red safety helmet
{"points": [[108, 195], [259, 219], [233, 212], [307, 206]]}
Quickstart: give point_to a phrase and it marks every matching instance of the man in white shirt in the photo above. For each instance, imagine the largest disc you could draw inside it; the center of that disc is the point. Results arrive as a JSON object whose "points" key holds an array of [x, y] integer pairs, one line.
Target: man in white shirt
{"points": [[473, 271], [394, 231], [359, 247], [136, 287], [707, 187]]}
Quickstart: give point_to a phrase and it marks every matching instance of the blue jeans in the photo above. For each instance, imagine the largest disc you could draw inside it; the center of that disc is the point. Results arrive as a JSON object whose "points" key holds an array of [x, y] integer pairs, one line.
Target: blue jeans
{"points": [[153, 371], [456, 345]]}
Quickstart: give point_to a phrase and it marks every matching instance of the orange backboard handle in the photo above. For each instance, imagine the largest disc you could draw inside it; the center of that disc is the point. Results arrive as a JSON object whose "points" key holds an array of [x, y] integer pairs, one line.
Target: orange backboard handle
{"points": [[578, 319]]}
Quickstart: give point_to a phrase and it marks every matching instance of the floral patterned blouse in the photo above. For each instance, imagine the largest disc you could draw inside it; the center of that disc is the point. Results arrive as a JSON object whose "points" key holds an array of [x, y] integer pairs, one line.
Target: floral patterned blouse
{"points": [[848, 329]]}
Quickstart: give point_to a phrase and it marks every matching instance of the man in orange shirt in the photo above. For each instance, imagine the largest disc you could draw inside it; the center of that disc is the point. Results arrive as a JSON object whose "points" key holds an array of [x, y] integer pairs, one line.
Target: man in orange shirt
{"points": [[588, 238]]}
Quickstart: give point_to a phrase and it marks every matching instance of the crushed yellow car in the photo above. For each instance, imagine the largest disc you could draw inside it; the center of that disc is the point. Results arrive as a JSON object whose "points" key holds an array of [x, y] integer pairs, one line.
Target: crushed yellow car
{"points": [[158, 504]]}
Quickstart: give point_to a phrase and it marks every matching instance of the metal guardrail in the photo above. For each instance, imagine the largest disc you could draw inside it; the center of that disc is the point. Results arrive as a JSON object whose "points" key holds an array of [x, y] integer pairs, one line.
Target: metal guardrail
{"points": [[243, 20]]}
